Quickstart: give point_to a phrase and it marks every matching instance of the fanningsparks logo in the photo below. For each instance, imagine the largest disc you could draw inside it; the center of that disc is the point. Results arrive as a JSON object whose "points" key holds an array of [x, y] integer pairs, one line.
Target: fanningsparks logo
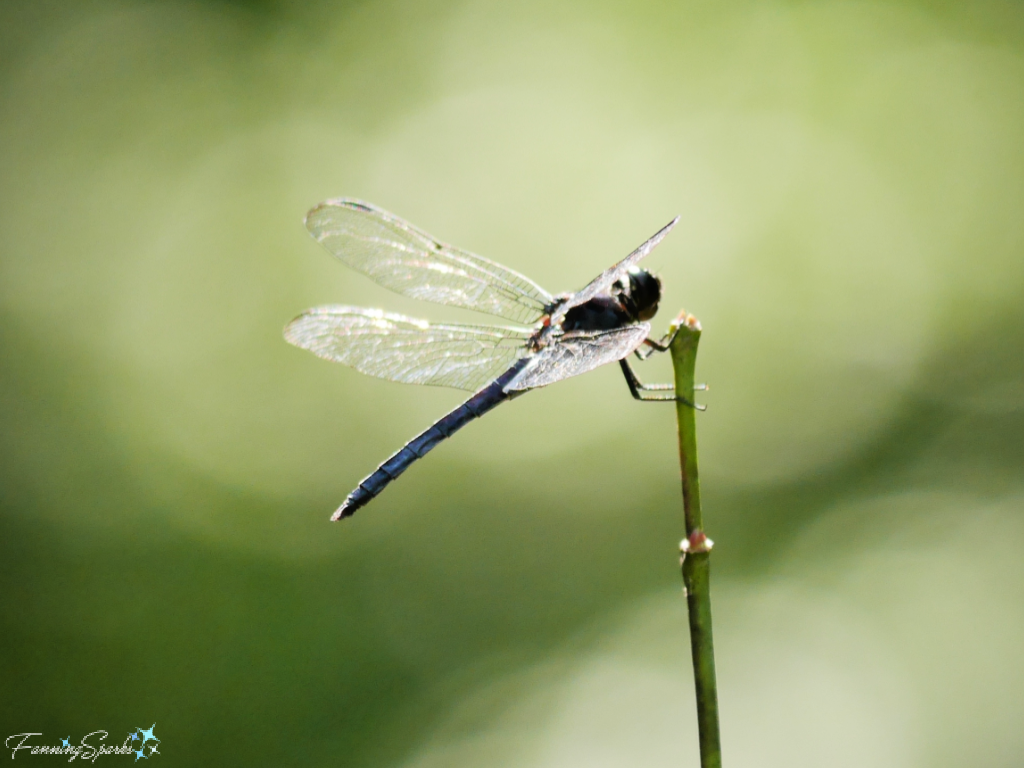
{"points": [[140, 743]]}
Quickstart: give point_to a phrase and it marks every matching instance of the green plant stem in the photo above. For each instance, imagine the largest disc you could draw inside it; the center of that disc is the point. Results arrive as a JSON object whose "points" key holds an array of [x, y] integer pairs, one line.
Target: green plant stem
{"points": [[695, 561]]}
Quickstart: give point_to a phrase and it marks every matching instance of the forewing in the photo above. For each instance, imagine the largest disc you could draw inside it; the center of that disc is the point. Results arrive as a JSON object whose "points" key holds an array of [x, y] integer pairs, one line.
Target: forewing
{"points": [[603, 282], [404, 349], [578, 352], [407, 260]]}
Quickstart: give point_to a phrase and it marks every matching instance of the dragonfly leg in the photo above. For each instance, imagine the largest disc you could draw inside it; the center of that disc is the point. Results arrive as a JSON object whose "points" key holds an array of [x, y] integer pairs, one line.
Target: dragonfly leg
{"points": [[657, 346], [654, 393], [661, 345], [646, 392]]}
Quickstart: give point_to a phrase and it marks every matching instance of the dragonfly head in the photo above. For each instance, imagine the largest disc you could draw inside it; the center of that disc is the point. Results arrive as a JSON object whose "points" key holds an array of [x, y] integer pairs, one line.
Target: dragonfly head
{"points": [[641, 300]]}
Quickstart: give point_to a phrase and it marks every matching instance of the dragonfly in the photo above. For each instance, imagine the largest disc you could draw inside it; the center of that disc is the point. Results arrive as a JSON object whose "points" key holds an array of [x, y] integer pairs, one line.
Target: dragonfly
{"points": [[556, 336]]}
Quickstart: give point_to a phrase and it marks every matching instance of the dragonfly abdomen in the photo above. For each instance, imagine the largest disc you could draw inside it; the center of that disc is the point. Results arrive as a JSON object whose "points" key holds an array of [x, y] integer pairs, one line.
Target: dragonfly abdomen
{"points": [[483, 401]]}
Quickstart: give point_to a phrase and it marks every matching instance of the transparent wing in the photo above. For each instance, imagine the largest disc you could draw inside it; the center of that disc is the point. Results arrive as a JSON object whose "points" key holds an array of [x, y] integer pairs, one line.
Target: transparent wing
{"points": [[404, 349], [407, 260], [578, 352], [603, 282]]}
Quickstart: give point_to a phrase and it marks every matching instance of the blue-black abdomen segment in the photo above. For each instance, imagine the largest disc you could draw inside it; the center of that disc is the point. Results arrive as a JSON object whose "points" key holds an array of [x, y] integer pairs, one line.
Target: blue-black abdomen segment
{"points": [[479, 404]]}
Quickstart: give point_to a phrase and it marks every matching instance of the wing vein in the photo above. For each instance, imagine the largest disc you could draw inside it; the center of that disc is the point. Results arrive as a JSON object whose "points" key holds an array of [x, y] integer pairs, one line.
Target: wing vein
{"points": [[404, 349], [407, 260]]}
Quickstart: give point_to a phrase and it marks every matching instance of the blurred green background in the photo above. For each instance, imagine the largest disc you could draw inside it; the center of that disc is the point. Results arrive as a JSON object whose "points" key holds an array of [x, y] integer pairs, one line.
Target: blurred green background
{"points": [[851, 183]]}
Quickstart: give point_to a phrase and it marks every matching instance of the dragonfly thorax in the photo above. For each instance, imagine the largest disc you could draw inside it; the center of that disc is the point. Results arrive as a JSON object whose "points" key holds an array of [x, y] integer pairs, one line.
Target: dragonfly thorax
{"points": [[625, 305], [601, 313]]}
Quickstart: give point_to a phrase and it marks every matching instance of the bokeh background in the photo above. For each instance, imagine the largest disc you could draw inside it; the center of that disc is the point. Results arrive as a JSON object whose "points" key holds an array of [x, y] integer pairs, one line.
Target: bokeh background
{"points": [[850, 177]]}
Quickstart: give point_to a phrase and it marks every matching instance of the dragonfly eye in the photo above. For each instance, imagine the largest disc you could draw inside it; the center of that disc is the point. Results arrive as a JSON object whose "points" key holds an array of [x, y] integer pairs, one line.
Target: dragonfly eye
{"points": [[645, 293]]}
